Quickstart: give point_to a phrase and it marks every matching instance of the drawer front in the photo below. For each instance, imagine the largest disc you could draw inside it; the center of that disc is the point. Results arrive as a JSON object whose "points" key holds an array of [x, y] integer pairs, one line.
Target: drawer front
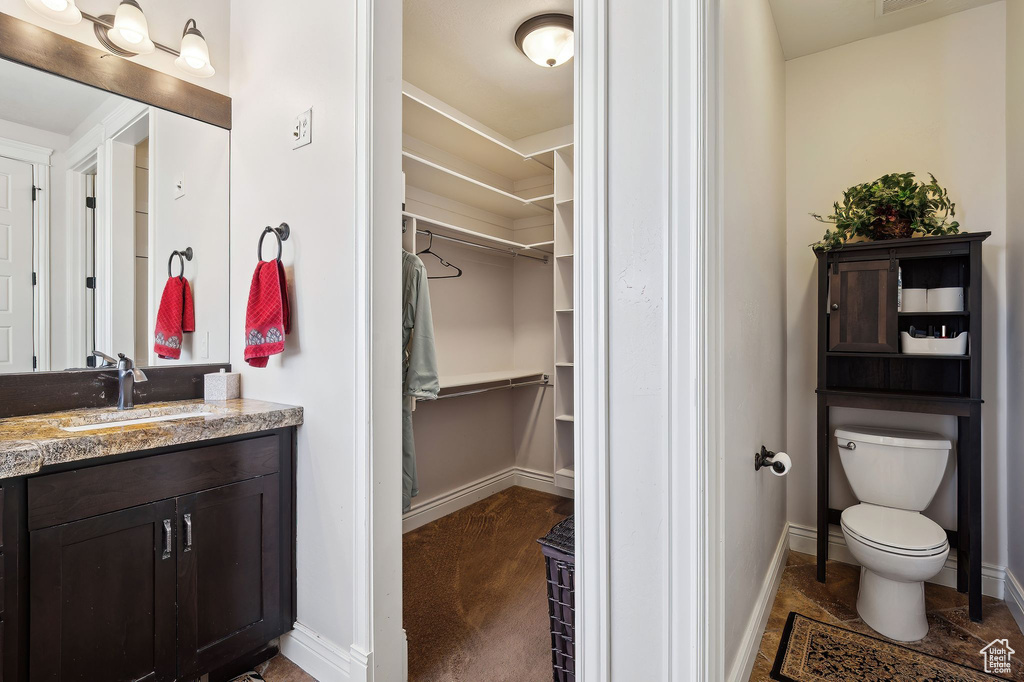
{"points": [[73, 495]]}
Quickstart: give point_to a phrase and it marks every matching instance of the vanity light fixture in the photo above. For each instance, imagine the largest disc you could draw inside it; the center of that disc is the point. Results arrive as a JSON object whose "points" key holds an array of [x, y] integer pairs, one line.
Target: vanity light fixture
{"points": [[195, 54], [126, 33], [130, 32], [58, 11], [547, 39]]}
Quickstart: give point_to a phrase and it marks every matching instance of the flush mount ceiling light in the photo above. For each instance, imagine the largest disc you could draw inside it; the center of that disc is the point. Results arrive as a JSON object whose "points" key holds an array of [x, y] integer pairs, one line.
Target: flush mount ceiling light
{"points": [[130, 32], [546, 39], [59, 11], [195, 54]]}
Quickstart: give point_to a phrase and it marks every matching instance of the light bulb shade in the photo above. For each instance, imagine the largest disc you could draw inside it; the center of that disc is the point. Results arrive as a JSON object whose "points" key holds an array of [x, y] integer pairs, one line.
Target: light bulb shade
{"points": [[59, 11], [546, 39], [195, 54], [131, 31]]}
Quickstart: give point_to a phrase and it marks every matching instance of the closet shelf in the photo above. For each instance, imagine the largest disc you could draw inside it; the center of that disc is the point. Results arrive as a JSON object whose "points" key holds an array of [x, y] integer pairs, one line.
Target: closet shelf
{"points": [[547, 247], [565, 418], [448, 130], [443, 228], [435, 178], [563, 364], [462, 381], [565, 310], [564, 202]]}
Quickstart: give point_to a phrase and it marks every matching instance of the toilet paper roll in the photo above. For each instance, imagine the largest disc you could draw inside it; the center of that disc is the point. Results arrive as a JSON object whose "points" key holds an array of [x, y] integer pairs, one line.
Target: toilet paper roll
{"points": [[785, 460]]}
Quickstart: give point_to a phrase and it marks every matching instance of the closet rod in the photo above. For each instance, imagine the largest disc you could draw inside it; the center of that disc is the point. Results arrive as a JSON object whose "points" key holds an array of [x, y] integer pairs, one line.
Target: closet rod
{"points": [[538, 382], [508, 251]]}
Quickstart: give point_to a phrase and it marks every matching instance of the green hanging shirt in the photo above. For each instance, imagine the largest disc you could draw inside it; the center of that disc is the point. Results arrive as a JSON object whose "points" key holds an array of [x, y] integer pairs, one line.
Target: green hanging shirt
{"points": [[419, 362]]}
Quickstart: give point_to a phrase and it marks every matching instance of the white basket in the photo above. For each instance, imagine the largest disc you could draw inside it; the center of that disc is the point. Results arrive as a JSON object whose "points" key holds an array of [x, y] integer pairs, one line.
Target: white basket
{"points": [[932, 346]]}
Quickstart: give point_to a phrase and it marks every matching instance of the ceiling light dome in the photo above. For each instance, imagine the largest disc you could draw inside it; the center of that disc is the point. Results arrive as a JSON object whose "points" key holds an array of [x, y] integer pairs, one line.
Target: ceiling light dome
{"points": [[546, 39], [131, 31], [60, 11], [195, 54]]}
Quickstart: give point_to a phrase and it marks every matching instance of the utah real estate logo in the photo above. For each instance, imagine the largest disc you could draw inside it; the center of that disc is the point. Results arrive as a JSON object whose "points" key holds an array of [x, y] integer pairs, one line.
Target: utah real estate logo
{"points": [[997, 655]]}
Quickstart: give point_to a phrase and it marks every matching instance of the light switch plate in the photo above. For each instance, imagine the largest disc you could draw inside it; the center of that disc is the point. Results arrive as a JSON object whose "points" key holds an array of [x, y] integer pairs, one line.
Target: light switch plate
{"points": [[179, 186], [302, 132]]}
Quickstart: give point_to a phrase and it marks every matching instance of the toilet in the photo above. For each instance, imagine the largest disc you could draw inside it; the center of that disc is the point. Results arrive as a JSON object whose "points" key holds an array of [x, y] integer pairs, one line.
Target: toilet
{"points": [[895, 475]]}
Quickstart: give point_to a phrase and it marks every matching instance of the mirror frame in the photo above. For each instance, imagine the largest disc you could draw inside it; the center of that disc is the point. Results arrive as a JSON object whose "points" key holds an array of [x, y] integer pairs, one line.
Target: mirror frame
{"points": [[36, 47], [25, 43]]}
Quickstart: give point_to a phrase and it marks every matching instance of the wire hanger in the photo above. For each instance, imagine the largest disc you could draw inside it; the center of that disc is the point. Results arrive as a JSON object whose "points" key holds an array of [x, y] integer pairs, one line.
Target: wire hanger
{"points": [[430, 242]]}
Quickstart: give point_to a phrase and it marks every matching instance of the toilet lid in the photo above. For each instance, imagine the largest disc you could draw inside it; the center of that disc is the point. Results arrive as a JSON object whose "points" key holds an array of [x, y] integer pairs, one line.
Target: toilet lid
{"points": [[897, 530]]}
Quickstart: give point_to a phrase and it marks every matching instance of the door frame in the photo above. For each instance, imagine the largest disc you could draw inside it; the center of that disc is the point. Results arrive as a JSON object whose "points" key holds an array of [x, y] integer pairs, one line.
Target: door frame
{"points": [[39, 158], [695, 561]]}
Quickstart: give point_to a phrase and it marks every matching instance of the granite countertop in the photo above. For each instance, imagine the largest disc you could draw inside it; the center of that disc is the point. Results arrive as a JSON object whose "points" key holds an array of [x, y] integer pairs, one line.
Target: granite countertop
{"points": [[30, 443]]}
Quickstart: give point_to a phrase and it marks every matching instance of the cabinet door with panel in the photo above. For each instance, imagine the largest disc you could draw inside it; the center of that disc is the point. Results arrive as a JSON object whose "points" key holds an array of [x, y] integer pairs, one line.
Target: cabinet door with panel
{"points": [[229, 576], [863, 313], [102, 598]]}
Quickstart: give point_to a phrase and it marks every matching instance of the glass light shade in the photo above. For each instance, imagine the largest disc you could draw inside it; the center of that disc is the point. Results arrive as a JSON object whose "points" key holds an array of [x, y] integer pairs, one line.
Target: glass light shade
{"points": [[131, 31], [547, 39], [59, 11], [195, 54]]}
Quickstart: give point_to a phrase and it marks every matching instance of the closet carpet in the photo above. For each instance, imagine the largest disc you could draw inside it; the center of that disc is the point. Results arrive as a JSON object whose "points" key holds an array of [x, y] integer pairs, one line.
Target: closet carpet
{"points": [[475, 602]]}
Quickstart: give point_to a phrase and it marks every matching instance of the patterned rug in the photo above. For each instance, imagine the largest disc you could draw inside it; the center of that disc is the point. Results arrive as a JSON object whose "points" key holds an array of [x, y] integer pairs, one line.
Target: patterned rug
{"points": [[819, 652]]}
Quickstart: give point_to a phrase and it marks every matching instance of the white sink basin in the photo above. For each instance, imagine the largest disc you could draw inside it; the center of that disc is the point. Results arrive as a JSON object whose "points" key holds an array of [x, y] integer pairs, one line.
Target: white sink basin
{"points": [[117, 423]]}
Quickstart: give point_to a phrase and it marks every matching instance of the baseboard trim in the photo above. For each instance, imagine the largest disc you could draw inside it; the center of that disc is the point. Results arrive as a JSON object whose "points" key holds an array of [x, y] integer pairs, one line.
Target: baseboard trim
{"points": [[804, 539], [1015, 598], [435, 508], [746, 654], [321, 658]]}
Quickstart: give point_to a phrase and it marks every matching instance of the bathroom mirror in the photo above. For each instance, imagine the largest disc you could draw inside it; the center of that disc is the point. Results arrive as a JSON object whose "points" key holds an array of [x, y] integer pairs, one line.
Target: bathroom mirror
{"points": [[97, 193]]}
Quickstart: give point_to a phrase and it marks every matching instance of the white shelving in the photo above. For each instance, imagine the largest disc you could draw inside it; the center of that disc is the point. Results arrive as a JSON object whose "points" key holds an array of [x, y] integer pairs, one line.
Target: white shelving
{"points": [[564, 318], [421, 222], [483, 378]]}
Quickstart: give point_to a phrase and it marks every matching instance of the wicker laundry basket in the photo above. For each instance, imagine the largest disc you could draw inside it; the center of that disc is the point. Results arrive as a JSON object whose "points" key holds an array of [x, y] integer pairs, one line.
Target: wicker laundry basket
{"points": [[559, 547]]}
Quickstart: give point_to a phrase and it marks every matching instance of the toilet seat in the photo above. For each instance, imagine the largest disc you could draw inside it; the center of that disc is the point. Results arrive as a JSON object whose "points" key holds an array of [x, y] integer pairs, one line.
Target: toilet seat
{"points": [[894, 531]]}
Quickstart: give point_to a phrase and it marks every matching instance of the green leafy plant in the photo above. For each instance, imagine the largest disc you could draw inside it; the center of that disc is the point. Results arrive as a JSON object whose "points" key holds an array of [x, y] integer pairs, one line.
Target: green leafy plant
{"points": [[895, 206]]}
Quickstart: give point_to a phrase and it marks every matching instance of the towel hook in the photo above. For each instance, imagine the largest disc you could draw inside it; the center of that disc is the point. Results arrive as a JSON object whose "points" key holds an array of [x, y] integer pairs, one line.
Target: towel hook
{"points": [[282, 232], [183, 256]]}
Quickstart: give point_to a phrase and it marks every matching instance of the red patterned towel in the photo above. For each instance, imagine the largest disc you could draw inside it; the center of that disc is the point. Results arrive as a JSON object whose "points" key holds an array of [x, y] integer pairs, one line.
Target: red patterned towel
{"points": [[175, 317], [267, 318]]}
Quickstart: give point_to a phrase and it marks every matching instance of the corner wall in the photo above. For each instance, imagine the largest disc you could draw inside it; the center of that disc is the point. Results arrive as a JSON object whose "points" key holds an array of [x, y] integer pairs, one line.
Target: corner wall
{"points": [[1015, 302], [926, 99], [754, 220]]}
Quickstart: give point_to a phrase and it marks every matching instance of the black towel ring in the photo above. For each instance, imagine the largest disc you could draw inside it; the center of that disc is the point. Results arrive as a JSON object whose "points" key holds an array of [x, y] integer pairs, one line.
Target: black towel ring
{"points": [[282, 232], [182, 257]]}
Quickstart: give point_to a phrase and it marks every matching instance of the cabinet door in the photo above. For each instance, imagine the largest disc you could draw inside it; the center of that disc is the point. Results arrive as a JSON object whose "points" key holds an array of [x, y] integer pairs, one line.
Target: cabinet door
{"points": [[102, 596], [862, 309], [229, 565]]}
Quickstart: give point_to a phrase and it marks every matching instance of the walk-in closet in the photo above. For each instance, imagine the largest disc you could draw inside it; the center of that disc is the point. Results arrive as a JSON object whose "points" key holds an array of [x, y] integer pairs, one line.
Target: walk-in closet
{"points": [[487, 159]]}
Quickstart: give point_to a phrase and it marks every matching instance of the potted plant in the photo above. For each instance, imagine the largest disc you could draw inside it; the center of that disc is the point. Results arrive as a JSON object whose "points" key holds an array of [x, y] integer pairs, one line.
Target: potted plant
{"points": [[895, 206]]}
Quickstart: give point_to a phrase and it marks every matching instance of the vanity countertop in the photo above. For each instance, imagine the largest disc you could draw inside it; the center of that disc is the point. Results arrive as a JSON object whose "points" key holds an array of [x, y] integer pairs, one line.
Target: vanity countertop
{"points": [[32, 442]]}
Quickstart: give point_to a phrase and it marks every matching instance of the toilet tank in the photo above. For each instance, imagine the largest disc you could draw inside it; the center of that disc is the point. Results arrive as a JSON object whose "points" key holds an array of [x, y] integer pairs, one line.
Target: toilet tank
{"points": [[892, 467]]}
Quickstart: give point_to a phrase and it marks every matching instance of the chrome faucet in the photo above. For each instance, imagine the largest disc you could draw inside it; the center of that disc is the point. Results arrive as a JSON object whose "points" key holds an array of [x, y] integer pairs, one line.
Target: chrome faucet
{"points": [[127, 375]]}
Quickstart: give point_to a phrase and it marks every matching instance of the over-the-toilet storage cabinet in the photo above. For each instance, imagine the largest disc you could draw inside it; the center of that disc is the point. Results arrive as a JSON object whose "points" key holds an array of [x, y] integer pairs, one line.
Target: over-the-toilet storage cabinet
{"points": [[860, 365]]}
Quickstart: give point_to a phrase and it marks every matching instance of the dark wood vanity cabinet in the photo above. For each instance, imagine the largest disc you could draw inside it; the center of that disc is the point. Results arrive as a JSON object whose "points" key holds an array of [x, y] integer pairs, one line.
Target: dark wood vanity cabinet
{"points": [[161, 567], [863, 312]]}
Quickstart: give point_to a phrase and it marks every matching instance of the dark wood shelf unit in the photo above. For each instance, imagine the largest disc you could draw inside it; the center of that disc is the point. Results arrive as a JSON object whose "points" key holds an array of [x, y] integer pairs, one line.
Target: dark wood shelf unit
{"points": [[860, 366]]}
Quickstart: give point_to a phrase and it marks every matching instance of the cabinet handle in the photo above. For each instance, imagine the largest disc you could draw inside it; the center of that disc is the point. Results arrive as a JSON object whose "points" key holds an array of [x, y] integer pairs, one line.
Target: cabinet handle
{"points": [[835, 306], [167, 539], [188, 532]]}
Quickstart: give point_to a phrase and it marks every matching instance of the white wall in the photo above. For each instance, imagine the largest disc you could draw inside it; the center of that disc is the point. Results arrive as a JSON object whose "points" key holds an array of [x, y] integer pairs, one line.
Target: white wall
{"points": [[166, 21], [927, 99], [284, 63], [183, 147], [1015, 283], [754, 218]]}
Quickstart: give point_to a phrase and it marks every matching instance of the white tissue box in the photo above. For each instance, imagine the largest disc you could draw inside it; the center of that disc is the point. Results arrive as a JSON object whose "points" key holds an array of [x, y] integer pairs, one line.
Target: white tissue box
{"points": [[222, 385]]}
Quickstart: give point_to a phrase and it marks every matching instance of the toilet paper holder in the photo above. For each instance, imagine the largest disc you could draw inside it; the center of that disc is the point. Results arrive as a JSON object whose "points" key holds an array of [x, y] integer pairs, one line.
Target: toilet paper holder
{"points": [[766, 458]]}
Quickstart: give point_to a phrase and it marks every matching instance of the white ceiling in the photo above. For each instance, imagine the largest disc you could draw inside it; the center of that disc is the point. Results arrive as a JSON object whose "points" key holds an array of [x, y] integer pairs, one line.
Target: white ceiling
{"points": [[45, 101], [464, 53], [809, 26]]}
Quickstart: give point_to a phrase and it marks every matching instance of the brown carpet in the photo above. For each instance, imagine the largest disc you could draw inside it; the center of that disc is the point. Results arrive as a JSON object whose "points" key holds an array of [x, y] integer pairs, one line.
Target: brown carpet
{"points": [[475, 602], [812, 651]]}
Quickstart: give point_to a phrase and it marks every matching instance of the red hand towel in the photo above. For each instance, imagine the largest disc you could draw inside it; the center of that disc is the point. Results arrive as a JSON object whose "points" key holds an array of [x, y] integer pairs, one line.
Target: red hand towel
{"points": [[175, 317], [267, 317]]}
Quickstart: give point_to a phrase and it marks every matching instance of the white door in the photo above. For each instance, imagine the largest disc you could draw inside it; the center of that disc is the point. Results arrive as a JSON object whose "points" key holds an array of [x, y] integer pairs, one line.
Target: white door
{"points": [[16, 295]]}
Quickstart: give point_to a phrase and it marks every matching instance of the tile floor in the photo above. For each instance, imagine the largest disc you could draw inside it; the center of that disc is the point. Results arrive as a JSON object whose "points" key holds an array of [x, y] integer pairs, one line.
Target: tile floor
{"points": [[952, 635], [280, 669]]}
